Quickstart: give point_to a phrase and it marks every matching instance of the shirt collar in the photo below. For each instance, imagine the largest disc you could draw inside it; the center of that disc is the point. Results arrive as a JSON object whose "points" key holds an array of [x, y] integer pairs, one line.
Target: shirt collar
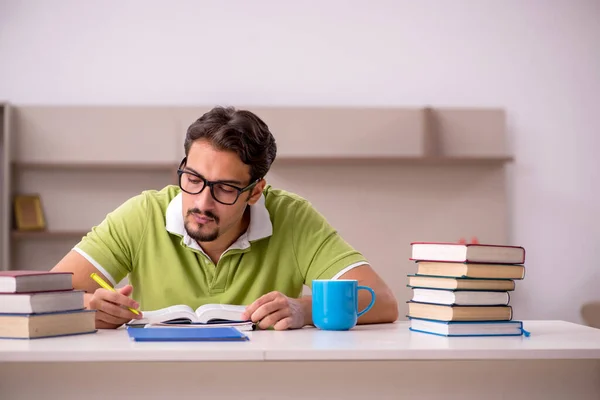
{"points": [[260, 225]]}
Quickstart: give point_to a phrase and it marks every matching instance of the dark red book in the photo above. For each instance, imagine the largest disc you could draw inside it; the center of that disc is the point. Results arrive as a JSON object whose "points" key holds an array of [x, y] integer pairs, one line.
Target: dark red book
{"points": [[467, 252], [23, 281]]}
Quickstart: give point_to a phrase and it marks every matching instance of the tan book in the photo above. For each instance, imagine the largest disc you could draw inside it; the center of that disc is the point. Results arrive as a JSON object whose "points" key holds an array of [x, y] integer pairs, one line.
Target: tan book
{"points": [[459, 313], [438, 282], [30, 326], [471, 270]]}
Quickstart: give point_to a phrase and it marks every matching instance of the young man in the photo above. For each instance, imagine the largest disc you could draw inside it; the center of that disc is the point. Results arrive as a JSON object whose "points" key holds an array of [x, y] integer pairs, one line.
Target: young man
{"points": [[222, 236]]}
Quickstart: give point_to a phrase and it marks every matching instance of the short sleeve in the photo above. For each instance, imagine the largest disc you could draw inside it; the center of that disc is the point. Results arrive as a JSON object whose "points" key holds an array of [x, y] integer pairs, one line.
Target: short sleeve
{"points": [[113, 245], [320, 251]]}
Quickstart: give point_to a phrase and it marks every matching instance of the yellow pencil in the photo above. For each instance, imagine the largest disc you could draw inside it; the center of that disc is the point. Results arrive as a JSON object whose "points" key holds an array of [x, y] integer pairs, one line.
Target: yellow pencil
{"points": [[106, 286]]}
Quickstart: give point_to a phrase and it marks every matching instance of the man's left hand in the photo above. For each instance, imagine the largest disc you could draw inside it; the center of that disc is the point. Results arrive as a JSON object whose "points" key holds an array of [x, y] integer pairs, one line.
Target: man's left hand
{"points": [[276, 310]]}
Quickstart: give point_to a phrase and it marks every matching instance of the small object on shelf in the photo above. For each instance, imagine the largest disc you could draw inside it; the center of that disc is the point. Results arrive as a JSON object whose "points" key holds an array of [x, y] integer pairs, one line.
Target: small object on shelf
{"points": [[474, 240], [29, 215]]}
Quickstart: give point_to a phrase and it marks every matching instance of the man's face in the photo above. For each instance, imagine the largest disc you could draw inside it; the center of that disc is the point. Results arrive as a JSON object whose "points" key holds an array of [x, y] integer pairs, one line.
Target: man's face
{"points": [[204, 218]]}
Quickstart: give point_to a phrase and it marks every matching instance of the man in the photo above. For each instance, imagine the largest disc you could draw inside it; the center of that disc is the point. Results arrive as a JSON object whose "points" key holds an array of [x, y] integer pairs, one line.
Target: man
{"points": [[222, 236]]}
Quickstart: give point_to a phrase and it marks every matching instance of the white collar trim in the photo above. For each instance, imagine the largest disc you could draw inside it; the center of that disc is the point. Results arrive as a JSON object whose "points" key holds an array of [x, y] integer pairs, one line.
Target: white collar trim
{"points": [[260, 225]]}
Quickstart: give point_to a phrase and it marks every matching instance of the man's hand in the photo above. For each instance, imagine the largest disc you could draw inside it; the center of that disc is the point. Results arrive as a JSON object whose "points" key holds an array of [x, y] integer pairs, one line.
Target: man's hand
{"points": [[111, 307], [279, 311]]}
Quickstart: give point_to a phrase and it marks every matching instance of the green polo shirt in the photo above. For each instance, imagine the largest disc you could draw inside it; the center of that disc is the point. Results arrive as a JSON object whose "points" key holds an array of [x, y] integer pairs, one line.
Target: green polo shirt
{"points": [[288, 244]]}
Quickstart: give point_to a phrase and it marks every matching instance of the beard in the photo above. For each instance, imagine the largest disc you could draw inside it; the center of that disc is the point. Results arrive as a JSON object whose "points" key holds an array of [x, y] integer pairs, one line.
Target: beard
{"points": [[194, 230]]}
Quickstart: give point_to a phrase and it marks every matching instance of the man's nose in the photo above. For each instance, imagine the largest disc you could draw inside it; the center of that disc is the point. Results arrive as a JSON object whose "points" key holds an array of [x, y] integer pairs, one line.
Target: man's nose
{"points": [[204, 199]]}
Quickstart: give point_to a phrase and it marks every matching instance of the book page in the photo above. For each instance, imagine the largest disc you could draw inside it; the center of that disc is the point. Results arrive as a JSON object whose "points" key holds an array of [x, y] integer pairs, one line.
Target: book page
{"points": [[166, 314], [208, 312]]}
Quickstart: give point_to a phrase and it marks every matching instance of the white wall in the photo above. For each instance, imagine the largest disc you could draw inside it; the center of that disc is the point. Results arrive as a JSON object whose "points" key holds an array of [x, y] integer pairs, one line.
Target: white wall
{"points": [[540, 60]]}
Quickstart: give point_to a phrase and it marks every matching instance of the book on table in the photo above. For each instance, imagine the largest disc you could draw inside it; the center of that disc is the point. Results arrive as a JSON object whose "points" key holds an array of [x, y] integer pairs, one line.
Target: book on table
{"points": [[463, 252], [217, 334], [208, 315], [467, 328], [462, 289], [41, 304], [33, 326]]}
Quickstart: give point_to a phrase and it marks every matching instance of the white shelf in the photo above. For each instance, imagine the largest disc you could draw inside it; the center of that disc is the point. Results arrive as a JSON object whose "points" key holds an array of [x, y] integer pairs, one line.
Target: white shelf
{"points": [[410, 160], [21, 235], [283, 160], [95, 166], [393, 160]]}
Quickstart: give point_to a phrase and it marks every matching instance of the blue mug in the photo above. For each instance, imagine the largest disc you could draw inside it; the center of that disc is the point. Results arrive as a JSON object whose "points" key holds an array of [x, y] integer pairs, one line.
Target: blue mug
{"points": [[335, 303]]}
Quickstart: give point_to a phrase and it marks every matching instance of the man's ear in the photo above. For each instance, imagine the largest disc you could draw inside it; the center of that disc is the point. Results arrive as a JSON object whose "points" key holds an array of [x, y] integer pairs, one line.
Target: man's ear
{"points": [[257, 191]]}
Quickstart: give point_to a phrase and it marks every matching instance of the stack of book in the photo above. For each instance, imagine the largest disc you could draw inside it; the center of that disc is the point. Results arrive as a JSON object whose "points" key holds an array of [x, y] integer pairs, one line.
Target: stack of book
{"points": [[38, 304], [464, 289]]}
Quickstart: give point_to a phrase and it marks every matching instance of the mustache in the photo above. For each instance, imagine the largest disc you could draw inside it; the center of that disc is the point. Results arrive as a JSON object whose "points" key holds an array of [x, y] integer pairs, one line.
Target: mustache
{"points": [[208, 214]]}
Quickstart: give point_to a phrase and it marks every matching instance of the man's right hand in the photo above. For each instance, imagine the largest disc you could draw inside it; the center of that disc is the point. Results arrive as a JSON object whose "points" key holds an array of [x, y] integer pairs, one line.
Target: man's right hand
{"points": [[111, 307]]}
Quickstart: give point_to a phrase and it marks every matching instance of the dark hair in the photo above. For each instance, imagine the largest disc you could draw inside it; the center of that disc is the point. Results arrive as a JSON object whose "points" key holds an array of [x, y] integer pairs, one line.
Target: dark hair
{"points": [[236, 130]]}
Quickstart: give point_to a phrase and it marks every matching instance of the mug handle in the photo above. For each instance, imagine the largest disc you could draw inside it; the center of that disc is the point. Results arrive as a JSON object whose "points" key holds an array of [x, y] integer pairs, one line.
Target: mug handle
{"points": [[372, 300]]}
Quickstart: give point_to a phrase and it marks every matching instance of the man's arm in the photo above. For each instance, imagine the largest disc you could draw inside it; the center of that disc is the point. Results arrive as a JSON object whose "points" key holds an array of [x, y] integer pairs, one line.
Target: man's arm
{"points": [[385, 308], [109, 305], [82, 269], [321, 253], [109, 251], [282, 312]]}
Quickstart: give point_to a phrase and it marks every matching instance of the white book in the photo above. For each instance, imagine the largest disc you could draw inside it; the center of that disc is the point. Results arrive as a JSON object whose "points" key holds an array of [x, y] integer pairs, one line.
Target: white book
{"points": [[460, 297], [41, 302]]}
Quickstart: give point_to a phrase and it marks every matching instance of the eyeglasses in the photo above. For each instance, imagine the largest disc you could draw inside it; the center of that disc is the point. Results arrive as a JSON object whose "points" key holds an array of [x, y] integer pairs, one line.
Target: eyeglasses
{"points": [[223, 193]]}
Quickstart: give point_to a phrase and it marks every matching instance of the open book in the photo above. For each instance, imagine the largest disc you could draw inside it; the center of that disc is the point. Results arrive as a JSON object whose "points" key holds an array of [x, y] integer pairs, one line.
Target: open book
{"points": [[207, 314]]}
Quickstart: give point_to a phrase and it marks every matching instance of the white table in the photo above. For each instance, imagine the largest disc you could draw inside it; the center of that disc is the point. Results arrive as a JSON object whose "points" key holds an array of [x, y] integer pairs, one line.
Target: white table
{"points": [[559, 361]]}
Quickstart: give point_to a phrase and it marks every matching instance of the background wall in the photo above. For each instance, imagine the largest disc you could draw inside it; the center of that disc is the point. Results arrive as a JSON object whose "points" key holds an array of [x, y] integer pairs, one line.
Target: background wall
{"points": [[537, 59]]}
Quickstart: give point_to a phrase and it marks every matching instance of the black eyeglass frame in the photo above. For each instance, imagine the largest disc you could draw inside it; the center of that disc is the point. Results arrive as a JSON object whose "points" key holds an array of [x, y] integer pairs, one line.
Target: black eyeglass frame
{"points": [[211, 184]]}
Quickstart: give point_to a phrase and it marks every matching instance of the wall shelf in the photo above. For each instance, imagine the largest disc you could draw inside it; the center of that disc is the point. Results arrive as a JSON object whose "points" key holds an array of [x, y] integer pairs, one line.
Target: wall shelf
{"points": [[394, 160], [21, 235], [441, 170], [95, 166], [283, 160]]}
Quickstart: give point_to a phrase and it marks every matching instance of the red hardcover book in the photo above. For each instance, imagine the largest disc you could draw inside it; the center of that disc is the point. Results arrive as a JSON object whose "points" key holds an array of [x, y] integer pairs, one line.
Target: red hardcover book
{"points": [[23, 281], [467, 252]]}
